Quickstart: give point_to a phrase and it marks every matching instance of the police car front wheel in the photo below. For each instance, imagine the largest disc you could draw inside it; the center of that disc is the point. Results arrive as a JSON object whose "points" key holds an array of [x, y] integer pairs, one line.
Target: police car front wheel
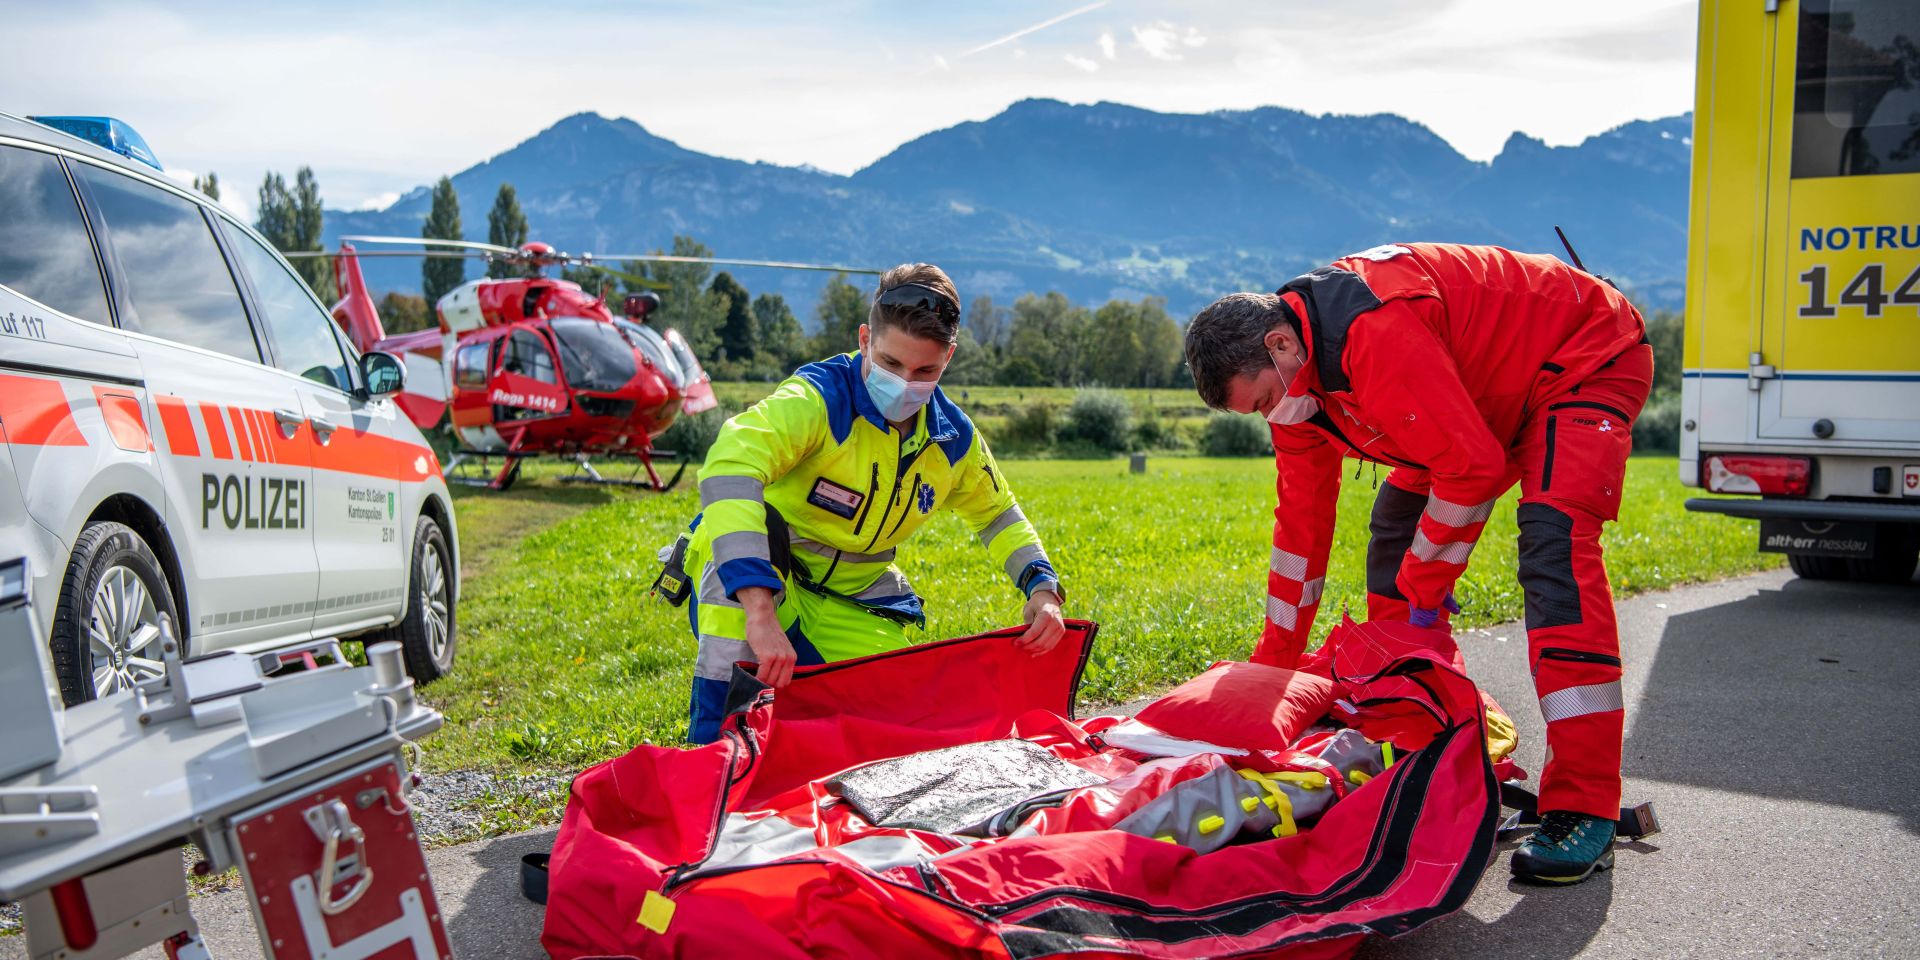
{"points": [[426, 634], [106, 628]]}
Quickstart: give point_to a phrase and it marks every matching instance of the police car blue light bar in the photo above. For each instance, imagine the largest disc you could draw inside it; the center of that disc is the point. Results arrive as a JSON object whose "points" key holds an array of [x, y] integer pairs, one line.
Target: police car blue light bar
{"points": [[107, 132]]}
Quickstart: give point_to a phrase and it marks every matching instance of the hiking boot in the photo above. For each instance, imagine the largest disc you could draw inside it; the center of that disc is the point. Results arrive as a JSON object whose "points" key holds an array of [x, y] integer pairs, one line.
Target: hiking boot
{"points": [[1566, 849]]}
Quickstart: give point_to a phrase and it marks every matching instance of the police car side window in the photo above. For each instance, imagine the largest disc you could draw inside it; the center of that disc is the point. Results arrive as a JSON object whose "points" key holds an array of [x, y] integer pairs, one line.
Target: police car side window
{"points": [[177, 281], [302, 343], [47, 255]]}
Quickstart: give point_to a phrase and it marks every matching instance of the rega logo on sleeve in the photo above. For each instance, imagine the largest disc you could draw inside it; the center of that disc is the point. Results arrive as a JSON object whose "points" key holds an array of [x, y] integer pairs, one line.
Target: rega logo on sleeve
{"points": [[253, 503]]}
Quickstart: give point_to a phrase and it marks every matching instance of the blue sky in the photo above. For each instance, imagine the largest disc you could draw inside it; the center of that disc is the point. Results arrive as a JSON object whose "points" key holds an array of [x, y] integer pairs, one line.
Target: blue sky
{"points": [[380, 97]]}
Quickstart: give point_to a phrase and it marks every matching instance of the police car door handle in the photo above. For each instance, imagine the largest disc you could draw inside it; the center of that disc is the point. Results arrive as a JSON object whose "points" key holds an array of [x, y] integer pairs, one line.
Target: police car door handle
{"points": [[322, 428], [289, 421]]}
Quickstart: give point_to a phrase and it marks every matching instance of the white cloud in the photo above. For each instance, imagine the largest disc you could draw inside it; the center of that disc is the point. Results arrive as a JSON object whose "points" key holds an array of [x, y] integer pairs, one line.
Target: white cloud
{"points": [[1090, 66], [209, 92], [379, 202], [233, 200], [1163, 41]]}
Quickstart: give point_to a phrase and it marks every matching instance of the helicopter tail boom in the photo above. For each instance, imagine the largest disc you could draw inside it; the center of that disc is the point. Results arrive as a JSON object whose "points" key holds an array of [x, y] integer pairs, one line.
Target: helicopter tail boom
{"points": [[355, 312]]}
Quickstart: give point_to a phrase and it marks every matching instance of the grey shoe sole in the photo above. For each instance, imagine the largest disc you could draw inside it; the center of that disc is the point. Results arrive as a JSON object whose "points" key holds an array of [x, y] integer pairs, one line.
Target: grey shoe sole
{"points": [[1604, 863]]}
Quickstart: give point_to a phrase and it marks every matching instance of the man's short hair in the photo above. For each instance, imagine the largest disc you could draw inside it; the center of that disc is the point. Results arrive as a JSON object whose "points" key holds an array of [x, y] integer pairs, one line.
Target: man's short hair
{"points": [[934, 320], [1227, 339]]}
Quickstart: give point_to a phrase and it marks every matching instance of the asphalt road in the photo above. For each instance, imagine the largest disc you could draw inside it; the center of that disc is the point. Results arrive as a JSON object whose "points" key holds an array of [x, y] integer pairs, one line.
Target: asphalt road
{"points": [[1771, 721]]}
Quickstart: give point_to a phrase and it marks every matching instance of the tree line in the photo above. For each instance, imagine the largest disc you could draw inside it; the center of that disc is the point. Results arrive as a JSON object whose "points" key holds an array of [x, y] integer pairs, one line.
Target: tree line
{"points": [[1039, 340]]}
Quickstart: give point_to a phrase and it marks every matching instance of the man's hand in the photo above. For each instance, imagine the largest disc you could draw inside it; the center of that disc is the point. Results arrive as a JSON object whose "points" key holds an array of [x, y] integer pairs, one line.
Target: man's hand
{"points": [[771, 648], [1044, 626], [1430, 617]]}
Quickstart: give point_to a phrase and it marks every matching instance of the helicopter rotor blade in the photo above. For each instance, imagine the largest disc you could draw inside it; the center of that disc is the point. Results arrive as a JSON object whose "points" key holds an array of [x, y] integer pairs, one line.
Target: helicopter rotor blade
{"points": [[436, 242], [429, 254], [591, 258], [632, 279]]}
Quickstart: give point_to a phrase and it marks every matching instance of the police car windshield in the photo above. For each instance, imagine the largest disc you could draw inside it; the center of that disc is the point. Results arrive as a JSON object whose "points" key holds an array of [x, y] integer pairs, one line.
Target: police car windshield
{"points": [[594, 355]]}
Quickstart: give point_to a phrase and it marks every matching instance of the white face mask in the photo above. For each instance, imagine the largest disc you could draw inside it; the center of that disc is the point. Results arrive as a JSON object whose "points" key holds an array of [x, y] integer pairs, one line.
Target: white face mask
{"points": [[1291, 409], [898, 398]]}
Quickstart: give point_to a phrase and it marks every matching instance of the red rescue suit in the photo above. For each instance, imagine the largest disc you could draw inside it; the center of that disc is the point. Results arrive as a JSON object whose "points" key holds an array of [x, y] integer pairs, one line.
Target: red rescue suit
{"points": [[1467, 369]]}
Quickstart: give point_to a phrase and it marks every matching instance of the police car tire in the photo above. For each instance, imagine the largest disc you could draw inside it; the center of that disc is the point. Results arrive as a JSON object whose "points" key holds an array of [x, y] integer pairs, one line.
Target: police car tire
{"points": [[413, 631], [101, 546]]}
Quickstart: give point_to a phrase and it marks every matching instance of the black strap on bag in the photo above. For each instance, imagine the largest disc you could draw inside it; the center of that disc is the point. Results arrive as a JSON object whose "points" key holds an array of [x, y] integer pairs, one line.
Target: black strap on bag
{"points": [[780, 544], [780, 554], [674, 584], [1635, 822]]}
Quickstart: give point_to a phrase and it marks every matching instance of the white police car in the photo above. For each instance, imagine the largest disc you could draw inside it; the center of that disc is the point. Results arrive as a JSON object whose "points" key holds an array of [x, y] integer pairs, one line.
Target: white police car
{"points": [[184, 430]]}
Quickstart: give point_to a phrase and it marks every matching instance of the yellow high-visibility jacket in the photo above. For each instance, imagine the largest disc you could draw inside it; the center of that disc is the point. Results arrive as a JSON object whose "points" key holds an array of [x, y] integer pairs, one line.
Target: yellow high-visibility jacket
{"points": [[850, 489]]}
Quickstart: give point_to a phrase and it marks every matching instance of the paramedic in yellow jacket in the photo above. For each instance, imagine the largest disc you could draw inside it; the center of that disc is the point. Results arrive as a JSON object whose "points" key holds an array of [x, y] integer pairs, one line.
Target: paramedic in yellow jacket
{"points": [[850, 455]]}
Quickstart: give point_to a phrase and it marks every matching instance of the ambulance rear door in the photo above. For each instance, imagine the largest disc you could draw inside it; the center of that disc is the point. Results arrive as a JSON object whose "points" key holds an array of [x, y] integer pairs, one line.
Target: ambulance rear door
{"points": [[1840, 337]]}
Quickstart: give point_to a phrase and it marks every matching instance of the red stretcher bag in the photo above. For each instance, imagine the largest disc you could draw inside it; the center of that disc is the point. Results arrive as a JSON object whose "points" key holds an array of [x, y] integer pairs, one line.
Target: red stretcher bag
{"points": [[743, 847]]}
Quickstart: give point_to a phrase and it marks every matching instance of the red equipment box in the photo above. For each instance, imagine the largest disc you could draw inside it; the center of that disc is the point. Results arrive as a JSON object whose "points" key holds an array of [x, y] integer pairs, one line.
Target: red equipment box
{"points": [[338, 873]]}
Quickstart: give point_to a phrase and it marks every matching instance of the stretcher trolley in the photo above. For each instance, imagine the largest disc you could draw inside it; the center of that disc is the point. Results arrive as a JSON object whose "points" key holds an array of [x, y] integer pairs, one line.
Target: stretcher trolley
{"points": [[290, 765]]}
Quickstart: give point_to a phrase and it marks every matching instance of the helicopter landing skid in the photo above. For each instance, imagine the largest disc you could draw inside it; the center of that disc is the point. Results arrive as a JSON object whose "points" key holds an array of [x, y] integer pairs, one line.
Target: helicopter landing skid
{"points": [[587, 474], [474, 468]]}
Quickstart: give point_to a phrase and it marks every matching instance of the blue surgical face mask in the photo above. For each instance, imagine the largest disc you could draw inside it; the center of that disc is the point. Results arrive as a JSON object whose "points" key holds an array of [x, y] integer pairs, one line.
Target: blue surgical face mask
{"points": [[896, 397]]}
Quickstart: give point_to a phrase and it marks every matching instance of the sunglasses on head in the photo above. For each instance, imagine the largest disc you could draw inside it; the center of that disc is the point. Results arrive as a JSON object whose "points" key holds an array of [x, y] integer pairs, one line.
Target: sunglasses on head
{"points": [[913, 296]]}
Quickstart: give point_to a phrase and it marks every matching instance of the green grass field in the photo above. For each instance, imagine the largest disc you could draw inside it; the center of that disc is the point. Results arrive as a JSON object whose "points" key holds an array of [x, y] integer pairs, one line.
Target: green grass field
{"points": [[564, 658], [1001, 401], [1178, 409]]}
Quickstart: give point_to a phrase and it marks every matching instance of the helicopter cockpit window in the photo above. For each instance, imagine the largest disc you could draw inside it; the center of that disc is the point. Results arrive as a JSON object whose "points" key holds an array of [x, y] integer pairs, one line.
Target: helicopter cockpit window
{"points": [[594, 354], [655, 349], [525, 355], [470, 366]]}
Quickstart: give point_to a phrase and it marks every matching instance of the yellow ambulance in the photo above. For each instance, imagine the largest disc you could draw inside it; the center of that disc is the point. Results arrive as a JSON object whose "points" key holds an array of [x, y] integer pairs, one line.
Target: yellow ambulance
{"points": [[1802, 379]]}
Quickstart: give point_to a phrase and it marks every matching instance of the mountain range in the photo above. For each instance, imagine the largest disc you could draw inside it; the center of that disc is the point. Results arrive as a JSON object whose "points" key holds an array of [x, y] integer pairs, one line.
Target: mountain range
{"points": [[1096, 201]]}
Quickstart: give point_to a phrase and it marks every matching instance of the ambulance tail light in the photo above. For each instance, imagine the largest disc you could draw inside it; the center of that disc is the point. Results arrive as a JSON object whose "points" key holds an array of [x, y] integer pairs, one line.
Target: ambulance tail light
{"points": [[1780, 476]]}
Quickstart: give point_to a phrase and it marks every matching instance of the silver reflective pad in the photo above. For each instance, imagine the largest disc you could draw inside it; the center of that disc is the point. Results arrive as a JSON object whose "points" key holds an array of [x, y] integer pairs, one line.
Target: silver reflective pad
{"points": [[955, 789]]}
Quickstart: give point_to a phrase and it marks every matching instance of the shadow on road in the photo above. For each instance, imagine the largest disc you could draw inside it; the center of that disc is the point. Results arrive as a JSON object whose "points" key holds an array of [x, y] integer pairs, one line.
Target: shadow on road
{"points": [[1544, 923], [1803, 693], [493, 919]]}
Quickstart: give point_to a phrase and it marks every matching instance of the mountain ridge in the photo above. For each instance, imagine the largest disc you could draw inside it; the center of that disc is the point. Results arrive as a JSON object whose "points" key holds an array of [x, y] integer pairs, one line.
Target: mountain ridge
{"points": [[1095, 200]]}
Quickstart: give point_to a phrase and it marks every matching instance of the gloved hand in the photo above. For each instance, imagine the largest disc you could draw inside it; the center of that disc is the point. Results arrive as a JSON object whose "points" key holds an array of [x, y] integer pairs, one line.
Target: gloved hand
{"points": [[1426, 617]]}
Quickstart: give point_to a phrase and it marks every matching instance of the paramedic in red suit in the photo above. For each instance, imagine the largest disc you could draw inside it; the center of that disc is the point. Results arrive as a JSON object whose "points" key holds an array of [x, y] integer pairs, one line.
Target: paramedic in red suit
{"points": [[1464, 370]]}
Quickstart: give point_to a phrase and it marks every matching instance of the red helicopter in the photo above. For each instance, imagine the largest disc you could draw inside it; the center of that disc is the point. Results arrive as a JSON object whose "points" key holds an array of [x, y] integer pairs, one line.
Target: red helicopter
{"points": [[537, 365]]}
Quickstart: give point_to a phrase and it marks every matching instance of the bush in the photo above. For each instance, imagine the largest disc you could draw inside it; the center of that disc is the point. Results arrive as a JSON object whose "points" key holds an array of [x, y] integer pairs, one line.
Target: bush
{"points": [[1236, 435], [1155, 432], [1030, 429], [1098, 420], [692, 434], [1021, 371], [1657, 429]]}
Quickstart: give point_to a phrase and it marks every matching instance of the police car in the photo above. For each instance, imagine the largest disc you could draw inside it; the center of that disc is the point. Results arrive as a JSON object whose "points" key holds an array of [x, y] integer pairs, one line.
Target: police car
{"points": [[185, 431]]}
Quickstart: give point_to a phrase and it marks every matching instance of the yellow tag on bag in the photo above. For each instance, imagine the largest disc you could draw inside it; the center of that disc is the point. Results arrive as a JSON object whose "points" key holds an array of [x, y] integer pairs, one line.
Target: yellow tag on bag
{"points": [[656, 911]]}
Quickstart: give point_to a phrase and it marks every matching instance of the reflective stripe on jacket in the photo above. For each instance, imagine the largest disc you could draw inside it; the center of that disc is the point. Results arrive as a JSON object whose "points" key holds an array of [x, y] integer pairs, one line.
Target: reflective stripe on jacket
{"points": [[851, 488]]}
